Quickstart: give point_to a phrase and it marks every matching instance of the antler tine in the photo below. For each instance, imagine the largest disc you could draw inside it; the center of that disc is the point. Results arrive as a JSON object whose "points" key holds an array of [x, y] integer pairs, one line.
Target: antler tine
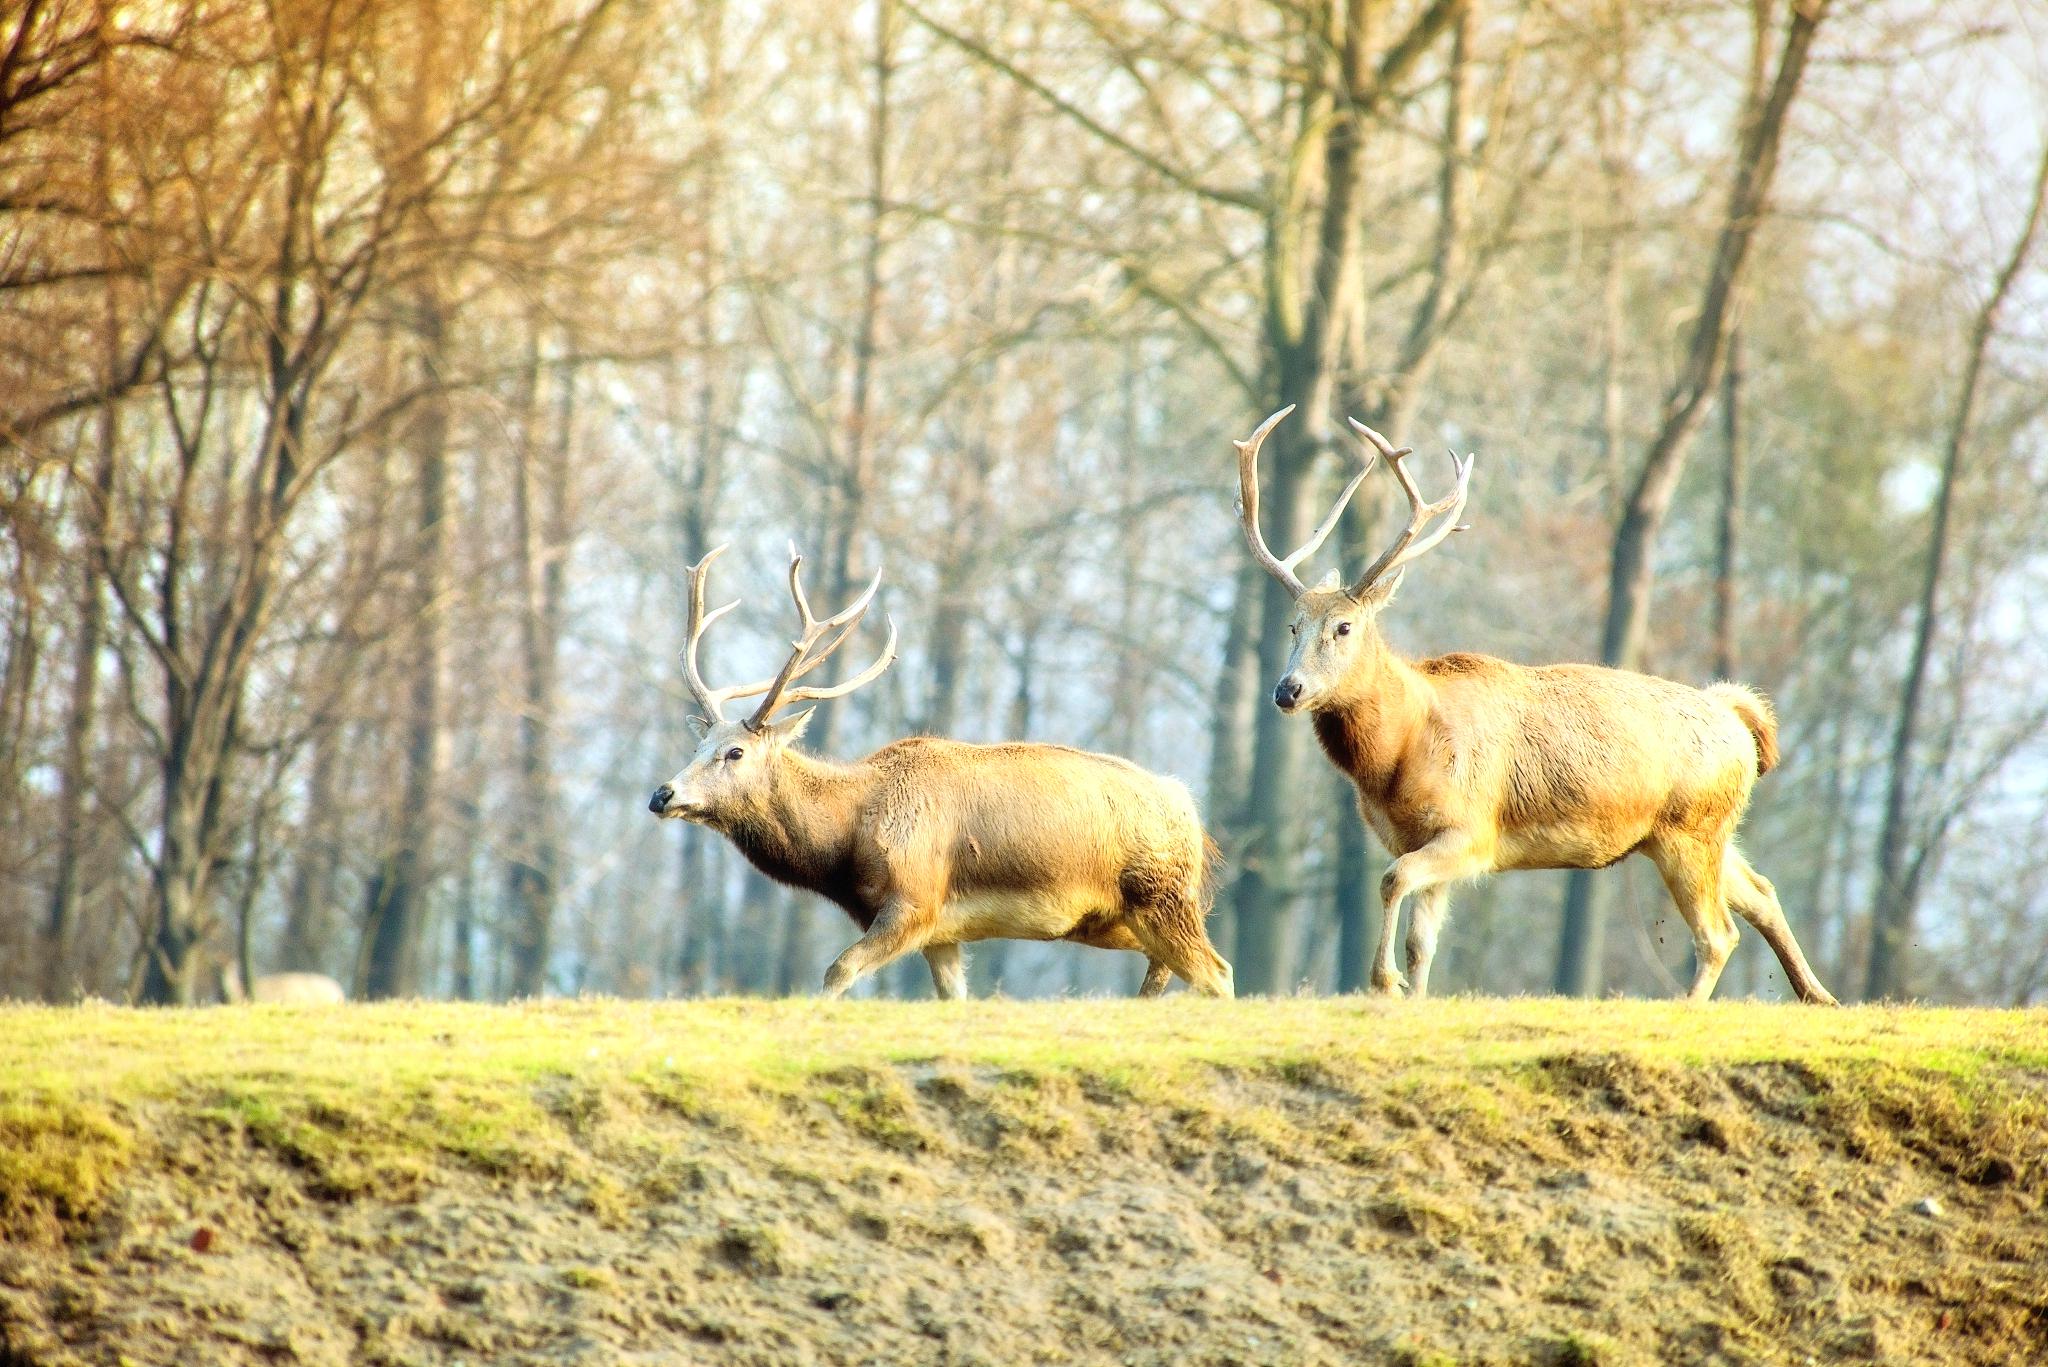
{"points": [[1248, 503], [1329, 524], [1449, 508], [806, 653], [712, 700], [814, 693]]}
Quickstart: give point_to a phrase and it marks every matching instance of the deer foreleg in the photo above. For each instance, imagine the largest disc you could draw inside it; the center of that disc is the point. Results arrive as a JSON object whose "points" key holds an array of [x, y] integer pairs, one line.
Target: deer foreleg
{"points": [[1386, 979], [1425, 919], [1445, 859], [949, 971], [898, 930]]}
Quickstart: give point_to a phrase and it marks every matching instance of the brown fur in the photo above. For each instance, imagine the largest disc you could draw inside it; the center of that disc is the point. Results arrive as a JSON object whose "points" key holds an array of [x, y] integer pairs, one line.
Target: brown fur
{"points": [[928, 844], [1466, 765]]}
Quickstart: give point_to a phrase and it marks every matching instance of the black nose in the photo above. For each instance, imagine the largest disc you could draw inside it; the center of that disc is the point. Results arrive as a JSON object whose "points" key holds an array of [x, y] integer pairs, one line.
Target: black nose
{"points": [[659, 802], [1287, 692]]}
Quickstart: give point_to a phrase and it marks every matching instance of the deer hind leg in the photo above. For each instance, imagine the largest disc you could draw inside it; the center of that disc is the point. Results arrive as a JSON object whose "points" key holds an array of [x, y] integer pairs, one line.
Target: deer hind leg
{"points": [[1173, 935], [1157, 975], [1425, 919], [1751, 895], [1692, 872], [901, 928], [949, 971]]}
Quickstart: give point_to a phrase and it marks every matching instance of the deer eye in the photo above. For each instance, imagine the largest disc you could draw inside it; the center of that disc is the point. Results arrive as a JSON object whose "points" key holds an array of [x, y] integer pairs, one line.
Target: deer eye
{"points": [[732, 755], [1343, 628]]}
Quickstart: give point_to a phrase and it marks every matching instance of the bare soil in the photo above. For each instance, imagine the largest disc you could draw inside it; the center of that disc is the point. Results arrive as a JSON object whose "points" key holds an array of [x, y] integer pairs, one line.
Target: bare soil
{"points": [[1593, 1207]]}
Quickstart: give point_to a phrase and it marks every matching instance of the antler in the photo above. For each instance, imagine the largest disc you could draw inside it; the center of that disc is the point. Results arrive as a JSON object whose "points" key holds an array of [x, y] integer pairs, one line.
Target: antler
{"points": [[833, 632], [806, 652], [1406, 547], [712, 700], [1248, 508]]}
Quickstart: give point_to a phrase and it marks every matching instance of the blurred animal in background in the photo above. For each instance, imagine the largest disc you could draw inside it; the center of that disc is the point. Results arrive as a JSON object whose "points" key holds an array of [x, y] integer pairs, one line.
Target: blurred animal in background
{"points": [[282, 989], [929, 844]]}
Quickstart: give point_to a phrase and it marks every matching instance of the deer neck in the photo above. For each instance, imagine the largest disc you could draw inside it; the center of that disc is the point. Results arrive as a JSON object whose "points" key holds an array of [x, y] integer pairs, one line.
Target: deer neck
{"points": [[800, 831], [1370, 724]]}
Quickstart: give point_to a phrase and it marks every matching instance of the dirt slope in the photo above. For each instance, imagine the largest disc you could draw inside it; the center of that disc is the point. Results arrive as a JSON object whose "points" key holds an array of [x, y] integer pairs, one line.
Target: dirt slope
{"points": [[1003, 1183]]}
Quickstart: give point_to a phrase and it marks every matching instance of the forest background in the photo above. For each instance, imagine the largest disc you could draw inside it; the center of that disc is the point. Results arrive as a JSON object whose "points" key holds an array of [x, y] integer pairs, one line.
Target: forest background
{"points": [[371, 369]]}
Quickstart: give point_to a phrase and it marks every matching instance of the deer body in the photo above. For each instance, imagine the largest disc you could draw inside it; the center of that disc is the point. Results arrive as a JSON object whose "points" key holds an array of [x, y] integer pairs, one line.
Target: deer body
{"points": [[1552, 767], [1467, 765], [930, 844], [282, 989]]}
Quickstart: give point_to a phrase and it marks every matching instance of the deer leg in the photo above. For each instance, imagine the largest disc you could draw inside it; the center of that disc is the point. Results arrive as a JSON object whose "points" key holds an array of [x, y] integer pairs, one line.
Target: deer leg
{"points": [[1157, 975], [1692, 872], [1174, 936], [949, 971], [1751, 896], [1386, 979], [898, 930], [1445, 859], [1425, 919]]}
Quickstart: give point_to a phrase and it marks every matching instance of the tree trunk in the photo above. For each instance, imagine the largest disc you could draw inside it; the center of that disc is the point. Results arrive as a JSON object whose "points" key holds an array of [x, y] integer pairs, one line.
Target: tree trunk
{"points": [[1306, 336], [1727, 555], [1727, 542], [1230, 722], [541, 568], [857, 475], [308, 913], [397, 910], [462, 931], [698, 962], [1892, 909], [1631, 571]]}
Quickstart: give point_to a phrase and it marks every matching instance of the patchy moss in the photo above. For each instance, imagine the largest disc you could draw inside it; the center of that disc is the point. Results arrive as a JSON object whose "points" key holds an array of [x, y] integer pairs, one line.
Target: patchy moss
{"points": [[589, 1279], [877, 1106], [60, 1159], [1577, 1348]]}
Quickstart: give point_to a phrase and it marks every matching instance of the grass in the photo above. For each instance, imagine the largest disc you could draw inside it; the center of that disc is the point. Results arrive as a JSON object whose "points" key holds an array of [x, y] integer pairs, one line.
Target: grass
{"points": [[375, 1098]]}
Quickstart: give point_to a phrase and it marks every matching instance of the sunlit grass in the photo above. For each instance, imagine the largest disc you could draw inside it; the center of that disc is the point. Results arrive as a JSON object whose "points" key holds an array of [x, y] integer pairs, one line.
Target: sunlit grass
{"points": [[377, 1098]]}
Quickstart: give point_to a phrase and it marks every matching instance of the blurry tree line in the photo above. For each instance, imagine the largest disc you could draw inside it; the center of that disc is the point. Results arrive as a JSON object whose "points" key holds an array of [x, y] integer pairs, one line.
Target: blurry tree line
{"points": [[371, 369]]}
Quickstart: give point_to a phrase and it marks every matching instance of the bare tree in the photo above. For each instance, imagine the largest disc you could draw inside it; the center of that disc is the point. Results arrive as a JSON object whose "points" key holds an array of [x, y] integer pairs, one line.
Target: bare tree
{"points": [[1897, 893], [1631, 570]]}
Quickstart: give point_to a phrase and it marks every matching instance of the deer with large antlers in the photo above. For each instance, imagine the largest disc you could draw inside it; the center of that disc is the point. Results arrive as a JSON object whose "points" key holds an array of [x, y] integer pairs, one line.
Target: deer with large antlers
{"points": [[930, 844], [1467, 765]]}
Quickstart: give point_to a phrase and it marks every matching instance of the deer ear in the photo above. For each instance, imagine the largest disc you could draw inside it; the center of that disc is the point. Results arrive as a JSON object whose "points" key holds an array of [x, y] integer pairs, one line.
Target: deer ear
{"points": [[1382, 593], [1330, 581], [790, 730], [698, 725]]}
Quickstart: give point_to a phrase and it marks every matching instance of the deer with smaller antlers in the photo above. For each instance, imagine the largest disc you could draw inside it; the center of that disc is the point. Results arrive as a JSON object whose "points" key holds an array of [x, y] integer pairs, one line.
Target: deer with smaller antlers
{"points": [[929, 844], [1466, 765]]}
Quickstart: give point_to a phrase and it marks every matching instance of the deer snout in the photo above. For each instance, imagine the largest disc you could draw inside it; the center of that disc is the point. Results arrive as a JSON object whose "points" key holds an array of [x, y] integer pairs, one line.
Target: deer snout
{"points": [[1287, 693], [658, 804]]}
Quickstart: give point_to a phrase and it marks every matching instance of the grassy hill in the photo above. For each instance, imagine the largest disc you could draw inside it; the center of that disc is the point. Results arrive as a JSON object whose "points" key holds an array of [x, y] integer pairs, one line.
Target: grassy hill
{"points": [[1298, 1181]]}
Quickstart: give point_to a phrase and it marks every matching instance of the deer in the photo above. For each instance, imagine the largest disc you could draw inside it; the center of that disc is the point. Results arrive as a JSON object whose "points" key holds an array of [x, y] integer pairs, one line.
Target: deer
{"points": [[1467, 765], [281, 989], [929, 844]]}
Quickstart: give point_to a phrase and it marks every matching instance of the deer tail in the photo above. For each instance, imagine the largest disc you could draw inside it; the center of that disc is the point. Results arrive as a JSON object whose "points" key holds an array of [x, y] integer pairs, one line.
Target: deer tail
{"points": [[1755, 711]]}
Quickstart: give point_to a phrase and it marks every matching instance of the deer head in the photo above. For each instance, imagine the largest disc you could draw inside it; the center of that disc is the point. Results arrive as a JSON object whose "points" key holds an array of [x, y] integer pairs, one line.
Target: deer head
{"points": [[1334, 621], [735, 760]]}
